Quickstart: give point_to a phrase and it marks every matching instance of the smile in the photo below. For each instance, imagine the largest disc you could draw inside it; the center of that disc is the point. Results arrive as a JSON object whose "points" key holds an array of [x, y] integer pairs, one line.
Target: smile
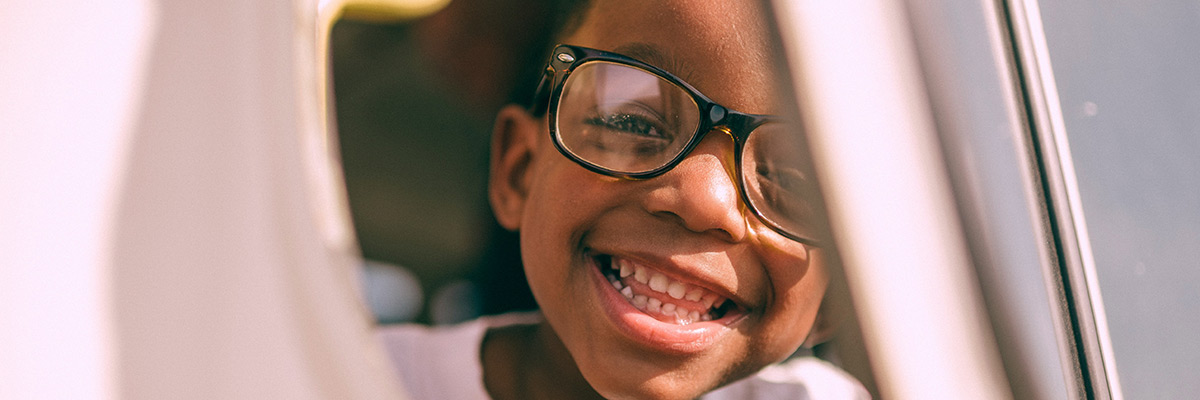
{"points": [[666, 313], [650, 306], [659, 296]]}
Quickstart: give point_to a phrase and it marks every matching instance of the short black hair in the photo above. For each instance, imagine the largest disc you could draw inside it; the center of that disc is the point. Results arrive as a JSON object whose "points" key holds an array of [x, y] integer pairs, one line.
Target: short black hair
{"points": [[568, 15], [563, 17]]}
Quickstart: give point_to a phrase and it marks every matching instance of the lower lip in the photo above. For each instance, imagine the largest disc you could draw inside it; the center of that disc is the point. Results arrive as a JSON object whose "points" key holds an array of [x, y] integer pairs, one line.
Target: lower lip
{"points": [[681, 339]]}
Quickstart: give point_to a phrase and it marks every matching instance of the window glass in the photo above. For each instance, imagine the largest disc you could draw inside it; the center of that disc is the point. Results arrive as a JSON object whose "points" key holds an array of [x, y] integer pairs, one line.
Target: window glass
{"points": [[1130, 95]]}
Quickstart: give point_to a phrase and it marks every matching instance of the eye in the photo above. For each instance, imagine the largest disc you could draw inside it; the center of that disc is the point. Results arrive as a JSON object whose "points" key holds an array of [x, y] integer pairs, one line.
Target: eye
{"points": [[630, 128], [790, 179], [787, 191], [629, 123]]}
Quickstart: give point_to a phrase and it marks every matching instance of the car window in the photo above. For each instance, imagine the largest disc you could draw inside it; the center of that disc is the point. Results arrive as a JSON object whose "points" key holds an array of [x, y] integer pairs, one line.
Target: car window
{"points": [[1130, 102]]}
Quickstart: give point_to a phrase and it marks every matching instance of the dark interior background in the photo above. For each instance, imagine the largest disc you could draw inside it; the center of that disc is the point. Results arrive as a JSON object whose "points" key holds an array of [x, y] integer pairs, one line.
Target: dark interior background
{"points": [[414, 109]]}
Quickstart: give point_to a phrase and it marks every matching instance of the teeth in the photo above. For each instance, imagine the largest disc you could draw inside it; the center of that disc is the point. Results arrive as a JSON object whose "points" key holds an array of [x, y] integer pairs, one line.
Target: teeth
{"points": [[626, 270], [653, 305], [640, 275], [682, 315], [658, 283], [676, 290]]}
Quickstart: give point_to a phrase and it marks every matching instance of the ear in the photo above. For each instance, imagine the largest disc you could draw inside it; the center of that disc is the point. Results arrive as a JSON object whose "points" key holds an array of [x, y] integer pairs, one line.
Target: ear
{"points": [[514, 142]]}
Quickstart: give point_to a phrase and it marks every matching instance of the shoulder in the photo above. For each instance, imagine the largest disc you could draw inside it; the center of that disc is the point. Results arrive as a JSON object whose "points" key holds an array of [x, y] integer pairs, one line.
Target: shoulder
{"points": [[798, 378], [443, 361]]}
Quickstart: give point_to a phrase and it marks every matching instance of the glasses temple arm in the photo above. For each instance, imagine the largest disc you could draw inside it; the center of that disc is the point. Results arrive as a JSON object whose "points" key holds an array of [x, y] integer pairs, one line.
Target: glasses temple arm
{"points": [[541, 95]]}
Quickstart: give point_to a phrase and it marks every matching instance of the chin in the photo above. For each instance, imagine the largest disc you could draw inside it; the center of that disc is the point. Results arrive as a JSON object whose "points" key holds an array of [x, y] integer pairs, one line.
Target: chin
{"points": [[675, 383], [656, 393]]}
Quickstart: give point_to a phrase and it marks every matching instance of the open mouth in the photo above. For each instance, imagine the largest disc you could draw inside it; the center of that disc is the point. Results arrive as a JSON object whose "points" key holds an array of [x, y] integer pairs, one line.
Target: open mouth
{"points": [[661, 297]]}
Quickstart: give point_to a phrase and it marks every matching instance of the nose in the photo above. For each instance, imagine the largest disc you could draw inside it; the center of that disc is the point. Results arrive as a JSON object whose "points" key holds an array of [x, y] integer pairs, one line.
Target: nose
{"points": [[701, 193]]}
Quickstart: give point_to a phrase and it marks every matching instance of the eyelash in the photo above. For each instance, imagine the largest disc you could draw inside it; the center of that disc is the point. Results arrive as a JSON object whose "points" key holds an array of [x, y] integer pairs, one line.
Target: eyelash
{"points": [[628, 123]]}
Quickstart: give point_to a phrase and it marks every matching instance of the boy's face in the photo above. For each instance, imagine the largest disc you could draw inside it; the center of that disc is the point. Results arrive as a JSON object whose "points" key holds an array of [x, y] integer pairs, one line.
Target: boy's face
{"points": [[688, 225]]}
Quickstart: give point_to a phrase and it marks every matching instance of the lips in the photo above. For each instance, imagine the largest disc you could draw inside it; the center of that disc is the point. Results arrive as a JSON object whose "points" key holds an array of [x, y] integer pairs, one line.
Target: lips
{"points": [[654, 308]]}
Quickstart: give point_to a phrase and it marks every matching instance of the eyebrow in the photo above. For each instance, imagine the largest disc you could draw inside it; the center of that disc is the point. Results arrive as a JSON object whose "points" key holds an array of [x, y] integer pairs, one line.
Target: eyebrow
{"points": [[650, 54]]}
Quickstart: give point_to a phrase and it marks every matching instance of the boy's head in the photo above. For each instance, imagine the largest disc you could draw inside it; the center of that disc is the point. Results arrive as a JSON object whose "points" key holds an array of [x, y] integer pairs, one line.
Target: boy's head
{"points": [[742, 294]]}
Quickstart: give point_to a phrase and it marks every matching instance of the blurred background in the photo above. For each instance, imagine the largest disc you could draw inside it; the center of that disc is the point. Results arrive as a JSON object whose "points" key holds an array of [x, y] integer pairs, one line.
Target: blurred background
{"points": [[415, 106]]}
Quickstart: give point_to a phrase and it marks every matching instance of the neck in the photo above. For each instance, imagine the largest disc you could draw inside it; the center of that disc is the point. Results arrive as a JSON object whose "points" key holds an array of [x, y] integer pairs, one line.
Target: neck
{"points": [[530, 362]]}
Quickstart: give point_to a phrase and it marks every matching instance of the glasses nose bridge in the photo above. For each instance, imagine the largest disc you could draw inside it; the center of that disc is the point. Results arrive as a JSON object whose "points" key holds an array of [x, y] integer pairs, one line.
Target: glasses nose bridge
{"points": [[732, 123]]}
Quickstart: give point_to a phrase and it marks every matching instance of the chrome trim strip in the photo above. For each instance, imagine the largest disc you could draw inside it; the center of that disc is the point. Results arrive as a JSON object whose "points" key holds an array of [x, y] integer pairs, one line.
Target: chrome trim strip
{"points": [[1000, 15], [1050, 127]]}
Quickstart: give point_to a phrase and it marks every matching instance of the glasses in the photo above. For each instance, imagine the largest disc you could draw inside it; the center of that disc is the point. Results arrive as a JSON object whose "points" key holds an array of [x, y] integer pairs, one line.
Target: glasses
{"points": [[621, 117]]}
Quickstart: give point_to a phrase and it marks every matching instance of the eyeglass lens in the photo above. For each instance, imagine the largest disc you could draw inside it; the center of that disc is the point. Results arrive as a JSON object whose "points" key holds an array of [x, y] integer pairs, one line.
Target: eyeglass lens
{"points": [[624, 119], [627, 120]]}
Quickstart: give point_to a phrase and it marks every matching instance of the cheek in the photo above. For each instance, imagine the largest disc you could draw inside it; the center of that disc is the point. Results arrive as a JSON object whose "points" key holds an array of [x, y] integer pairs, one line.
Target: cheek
{"points": [[798, 294], [555, 207], [548, 227], [565, 199], [564, 202]]}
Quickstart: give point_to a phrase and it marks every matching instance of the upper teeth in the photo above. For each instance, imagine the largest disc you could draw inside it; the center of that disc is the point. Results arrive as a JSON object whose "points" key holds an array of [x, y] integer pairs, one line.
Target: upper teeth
{"points": [[660, 283], [676, 289]]}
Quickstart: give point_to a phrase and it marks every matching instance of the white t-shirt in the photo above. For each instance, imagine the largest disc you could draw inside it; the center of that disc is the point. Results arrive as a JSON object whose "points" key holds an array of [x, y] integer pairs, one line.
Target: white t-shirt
{"points": [[443, 362]]}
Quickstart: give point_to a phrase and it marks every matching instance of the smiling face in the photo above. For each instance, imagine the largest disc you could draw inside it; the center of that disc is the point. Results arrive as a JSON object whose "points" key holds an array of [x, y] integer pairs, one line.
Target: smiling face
{"points": [[666, 287]]}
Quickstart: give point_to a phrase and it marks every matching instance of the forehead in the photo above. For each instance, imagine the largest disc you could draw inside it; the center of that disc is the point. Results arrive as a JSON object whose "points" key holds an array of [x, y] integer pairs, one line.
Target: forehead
{"points": [[720, 47]]}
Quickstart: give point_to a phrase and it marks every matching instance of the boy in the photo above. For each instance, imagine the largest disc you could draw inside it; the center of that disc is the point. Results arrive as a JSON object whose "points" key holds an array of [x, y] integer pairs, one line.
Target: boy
{"points": [[668, 259]]}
